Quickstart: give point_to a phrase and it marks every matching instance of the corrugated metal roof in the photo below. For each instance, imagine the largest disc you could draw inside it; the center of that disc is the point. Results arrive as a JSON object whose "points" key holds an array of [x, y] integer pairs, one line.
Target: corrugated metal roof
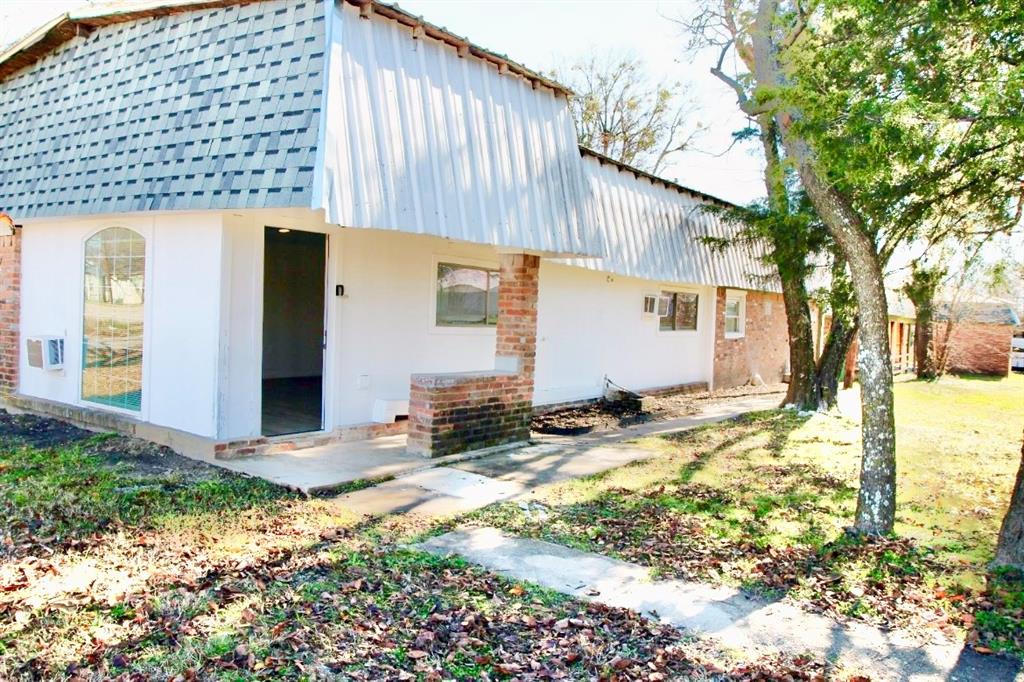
{"points": [[211, 108], [423, 137], [654, 230]]}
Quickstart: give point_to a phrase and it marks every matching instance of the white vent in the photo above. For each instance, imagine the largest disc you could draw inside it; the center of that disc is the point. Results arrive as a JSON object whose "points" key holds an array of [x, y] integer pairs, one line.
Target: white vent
{"points": [[45, 352]]}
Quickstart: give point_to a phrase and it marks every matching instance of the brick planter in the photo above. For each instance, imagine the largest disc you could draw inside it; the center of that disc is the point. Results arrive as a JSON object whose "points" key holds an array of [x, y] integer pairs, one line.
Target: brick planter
{"points": [[456, 412], [451, 413]]}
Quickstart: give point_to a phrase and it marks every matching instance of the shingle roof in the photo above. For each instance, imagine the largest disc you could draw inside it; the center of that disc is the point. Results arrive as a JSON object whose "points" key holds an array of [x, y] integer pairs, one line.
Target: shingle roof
{"points": [[978, 313], [211, 108]]}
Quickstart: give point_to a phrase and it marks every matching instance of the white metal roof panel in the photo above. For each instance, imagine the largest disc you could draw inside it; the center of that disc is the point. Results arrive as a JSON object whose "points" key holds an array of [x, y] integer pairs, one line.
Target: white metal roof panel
{"points": [[420, 139], [655, 231]]}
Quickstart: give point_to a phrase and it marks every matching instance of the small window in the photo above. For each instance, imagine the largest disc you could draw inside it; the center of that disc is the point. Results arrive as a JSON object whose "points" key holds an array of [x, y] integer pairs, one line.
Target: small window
{"points": [[734, 312], [467, 296], [677, 311], [650, 304]]}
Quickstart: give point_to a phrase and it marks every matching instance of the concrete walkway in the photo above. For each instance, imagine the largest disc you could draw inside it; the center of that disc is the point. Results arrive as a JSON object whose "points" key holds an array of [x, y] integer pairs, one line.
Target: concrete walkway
{"points": [[455, 487], [732, 619]]}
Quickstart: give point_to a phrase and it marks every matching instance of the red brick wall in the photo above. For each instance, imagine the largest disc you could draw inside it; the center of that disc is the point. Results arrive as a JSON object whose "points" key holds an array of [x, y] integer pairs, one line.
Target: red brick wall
{"points": [[763, 349], [976, 348], [10, 310], [450, 413]]}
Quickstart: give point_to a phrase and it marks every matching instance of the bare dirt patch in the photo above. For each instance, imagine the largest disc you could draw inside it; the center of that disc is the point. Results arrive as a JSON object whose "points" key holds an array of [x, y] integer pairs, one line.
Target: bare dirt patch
{"points": [[606, 415], [133, 457]]}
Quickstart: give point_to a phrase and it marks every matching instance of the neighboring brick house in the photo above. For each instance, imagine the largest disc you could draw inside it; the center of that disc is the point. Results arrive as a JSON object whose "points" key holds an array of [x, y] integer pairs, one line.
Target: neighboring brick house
{"points": [[255, 225], [751, 341], [979, 337]]}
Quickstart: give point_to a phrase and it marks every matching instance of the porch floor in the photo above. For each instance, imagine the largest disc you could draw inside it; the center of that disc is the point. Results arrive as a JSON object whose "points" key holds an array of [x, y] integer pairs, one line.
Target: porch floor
{"points": [[330, 467], [326, 467]]}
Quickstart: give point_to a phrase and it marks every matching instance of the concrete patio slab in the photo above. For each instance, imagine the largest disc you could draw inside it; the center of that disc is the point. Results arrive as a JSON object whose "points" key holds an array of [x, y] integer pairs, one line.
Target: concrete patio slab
{"points": [[322, 468], [552, 458], [729, 616]]}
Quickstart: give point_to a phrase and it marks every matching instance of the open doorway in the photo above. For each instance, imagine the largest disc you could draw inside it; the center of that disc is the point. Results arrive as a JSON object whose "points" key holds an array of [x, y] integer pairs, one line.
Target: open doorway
{"points": [[294, 265]]}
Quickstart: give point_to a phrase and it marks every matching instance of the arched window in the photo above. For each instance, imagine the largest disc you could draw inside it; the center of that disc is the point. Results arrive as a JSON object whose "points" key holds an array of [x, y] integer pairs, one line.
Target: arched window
{"points": [[115, 274]]}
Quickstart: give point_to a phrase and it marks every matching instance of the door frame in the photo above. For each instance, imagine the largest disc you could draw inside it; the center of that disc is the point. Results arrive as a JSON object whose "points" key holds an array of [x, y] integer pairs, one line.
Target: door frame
{"points": [[326, 367]]}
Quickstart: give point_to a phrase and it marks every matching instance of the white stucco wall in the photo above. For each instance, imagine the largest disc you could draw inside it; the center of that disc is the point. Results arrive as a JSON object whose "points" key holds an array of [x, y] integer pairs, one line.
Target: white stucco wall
{"points": [[591, 325], [203, 317], [378, 334], [182, 290]]}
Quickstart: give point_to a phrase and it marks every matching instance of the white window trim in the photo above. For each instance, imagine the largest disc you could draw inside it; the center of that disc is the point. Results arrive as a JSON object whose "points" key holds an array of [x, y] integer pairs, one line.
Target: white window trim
{"points": [[434, 327], [740, 297], [650, 294], [147, 232], [680, 332]]}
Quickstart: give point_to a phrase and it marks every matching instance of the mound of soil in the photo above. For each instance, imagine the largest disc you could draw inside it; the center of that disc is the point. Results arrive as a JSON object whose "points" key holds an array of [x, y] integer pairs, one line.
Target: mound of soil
{"points": [[602, 415]]}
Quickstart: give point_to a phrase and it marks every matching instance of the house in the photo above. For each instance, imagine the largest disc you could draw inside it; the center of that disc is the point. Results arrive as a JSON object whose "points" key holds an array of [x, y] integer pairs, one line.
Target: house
{"points": [[976, 336], [245, 227]]}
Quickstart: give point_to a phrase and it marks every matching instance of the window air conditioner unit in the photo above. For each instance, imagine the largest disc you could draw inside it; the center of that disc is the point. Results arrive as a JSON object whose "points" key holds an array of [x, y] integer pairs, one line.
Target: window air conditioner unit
{"points": [[45, 352]]}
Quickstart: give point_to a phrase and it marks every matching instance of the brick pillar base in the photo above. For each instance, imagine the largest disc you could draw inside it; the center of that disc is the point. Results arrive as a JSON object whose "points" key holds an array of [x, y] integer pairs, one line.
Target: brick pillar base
{"points": [[450, 413], [10, 311]]}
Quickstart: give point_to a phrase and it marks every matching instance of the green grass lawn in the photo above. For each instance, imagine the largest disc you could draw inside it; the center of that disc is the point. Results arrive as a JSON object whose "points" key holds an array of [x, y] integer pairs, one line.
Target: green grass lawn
{"points": [[107, 571], [763, 502]]}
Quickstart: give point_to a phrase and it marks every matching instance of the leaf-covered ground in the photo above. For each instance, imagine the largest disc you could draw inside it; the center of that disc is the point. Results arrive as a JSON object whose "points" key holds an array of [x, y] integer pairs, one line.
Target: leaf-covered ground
{"points": [[118, 564], [763, 503]]}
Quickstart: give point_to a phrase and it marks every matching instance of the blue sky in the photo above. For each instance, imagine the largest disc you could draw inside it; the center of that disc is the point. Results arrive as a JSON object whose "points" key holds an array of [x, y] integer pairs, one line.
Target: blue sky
{"points": [[546, 34]]}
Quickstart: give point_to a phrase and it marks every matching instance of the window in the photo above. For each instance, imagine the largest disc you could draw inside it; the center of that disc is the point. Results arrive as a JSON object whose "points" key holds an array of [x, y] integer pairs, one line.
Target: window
{"points": [[650, 304], [115, 270], [466, 296], [677, 311], [734, 314]]}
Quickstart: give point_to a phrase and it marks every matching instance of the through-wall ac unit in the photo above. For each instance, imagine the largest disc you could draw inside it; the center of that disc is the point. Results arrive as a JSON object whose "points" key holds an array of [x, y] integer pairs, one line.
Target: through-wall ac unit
{"points": [[45, 352]]}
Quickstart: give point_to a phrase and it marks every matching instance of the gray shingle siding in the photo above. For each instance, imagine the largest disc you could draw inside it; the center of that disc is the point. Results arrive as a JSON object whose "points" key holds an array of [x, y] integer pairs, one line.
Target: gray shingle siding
{"points": [[204, 109]]}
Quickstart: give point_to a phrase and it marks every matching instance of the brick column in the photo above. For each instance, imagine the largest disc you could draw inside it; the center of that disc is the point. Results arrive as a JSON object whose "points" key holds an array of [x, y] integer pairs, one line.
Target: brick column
{"points": [[516, 348], [10, 311], [450, 413]]}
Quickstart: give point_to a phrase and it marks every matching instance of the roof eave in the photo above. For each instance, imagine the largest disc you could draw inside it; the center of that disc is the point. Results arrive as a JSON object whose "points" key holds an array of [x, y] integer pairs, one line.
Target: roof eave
{"points": [[69, 25], [655, 179]]}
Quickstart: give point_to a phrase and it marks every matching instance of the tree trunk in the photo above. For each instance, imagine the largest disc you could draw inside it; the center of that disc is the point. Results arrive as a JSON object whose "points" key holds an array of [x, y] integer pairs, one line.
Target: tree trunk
{"points": [[833, 359], [924, 360], [1010, 550], [876, 501], [804, 390]]}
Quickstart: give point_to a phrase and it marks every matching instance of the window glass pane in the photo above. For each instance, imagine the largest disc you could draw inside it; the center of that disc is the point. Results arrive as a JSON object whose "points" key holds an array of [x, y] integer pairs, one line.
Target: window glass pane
{"points": [[668, 320], [115, 269], [466, 296], [686, 311], [733, 313]]}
